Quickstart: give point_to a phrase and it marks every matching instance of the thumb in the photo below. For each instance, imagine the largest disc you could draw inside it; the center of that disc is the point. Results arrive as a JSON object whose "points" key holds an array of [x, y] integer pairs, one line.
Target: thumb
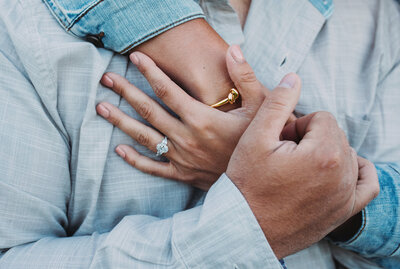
{"points": [[251, 90], [277, 108]]}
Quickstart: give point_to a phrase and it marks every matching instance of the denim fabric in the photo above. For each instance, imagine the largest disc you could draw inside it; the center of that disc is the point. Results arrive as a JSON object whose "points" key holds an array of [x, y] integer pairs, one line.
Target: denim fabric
{"points": [[324, 6], [128, 23], [379, 235], [125, 23]]}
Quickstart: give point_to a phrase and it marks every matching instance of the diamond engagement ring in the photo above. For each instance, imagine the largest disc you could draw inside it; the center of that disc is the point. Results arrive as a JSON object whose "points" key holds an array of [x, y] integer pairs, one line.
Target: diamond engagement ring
{"points": [[162, 147]]}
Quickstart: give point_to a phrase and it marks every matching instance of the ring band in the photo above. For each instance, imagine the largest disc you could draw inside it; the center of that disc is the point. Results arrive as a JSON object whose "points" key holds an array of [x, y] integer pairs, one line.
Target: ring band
{"points": [[162, 147], [231, 99]]}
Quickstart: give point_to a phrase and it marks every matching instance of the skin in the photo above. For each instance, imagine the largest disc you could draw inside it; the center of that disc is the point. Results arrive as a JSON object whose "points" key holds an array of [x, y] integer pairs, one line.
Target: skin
{"points": [[300, 189], [316, 153], [198, 50], [208, 79], [189, 162]]}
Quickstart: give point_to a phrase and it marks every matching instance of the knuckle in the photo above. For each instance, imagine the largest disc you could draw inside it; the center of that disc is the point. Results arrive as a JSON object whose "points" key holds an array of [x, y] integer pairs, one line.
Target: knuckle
{"points": [[248, 77], [145, 110], [331, 159], [131, 160], [276, 103], [207, 132], [324, 115], [115, 120], [199, 123], [160, 89], [174, 173], [190, 145], [143, 139], [119, 88]]}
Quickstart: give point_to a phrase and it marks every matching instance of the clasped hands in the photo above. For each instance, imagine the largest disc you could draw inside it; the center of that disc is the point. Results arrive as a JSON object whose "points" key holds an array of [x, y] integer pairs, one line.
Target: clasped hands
{"points": [[300, 178]]}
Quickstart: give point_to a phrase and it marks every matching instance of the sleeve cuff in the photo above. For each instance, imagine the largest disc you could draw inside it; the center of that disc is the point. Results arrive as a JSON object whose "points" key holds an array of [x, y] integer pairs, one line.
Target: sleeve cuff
{"points": [[223, 231], [123, 25], [379, 233]]}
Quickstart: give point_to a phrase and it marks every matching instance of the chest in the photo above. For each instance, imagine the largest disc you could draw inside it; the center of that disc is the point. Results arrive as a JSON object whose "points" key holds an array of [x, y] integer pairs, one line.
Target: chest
{"points": [[338, 58]]}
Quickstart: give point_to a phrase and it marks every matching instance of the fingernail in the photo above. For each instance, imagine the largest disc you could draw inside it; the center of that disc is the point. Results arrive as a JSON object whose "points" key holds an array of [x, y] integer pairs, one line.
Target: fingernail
{"points": [[237, 54], [120, 152], [103, 111], [134, 58], [289, 81], [107, 81]]}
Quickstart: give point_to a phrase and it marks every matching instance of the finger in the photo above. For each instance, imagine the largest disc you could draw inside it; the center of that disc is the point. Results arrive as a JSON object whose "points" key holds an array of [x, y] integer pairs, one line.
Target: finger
{"points": [[165, 89], [289, 132], [367, 187], [251, 90], [145, 164], [313, 130], [276, 109], [146, 107], [141, 133], [354, 161]]}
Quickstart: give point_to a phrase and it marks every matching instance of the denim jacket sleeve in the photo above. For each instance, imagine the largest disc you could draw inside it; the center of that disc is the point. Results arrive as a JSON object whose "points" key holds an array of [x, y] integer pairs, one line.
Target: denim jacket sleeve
{"points": [[121, 25], [379, 235]]}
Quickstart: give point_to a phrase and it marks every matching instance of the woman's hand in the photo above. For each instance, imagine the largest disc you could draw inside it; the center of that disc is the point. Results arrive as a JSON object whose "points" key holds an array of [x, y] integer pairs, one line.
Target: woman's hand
{"points": [[202, 140]]}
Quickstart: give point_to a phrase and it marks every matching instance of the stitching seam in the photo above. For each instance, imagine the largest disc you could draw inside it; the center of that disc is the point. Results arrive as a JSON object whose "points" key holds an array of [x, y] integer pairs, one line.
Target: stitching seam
{"points": [[83, 14], [394, 250]]}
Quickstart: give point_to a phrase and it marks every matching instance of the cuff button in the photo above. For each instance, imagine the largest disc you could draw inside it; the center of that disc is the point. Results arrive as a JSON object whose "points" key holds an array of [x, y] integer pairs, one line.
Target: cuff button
{"points": [[96, 39]]}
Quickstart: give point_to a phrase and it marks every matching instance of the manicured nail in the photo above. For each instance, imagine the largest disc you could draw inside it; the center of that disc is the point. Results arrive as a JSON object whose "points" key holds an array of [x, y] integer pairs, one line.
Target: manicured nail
{"points": [[107, 81], [237, 54], [103, 111], [289, 81], [120, 152], [134, 58]]}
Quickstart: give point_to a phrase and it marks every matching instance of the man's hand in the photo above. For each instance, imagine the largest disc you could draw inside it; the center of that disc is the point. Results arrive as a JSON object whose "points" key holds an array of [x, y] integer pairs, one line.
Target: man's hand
{"points": [[366, 171], [299, 191]]}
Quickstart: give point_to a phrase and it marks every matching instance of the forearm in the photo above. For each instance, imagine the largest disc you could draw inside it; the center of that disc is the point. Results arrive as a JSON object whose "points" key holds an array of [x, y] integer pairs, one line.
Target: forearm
{"points": [[193, 55], [206, 237], [54, 252]]}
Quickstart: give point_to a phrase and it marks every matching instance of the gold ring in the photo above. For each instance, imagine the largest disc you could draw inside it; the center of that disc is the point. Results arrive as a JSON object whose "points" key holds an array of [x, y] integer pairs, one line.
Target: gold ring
{"points": [[231, 99]]}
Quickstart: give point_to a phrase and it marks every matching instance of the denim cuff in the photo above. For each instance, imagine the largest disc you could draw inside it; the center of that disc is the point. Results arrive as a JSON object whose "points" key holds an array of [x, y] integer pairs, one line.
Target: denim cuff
{"points": [[122, 25], [379, 234]]}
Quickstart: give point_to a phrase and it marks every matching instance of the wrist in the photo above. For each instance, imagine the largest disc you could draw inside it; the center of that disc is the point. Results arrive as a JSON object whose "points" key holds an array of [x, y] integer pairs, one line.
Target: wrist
{"points": [[210, 91], [194, 56]]}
